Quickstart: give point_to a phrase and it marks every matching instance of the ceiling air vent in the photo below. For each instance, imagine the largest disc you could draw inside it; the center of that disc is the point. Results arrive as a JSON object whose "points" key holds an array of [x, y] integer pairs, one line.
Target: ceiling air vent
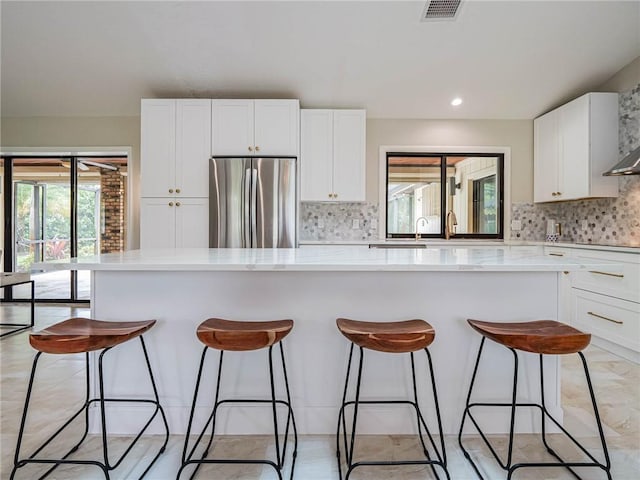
{"points": [[440, 10]]}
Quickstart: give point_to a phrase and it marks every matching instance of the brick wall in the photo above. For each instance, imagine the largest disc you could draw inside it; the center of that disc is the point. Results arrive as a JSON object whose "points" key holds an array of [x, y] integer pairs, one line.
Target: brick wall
{"points": [[112, 208]]}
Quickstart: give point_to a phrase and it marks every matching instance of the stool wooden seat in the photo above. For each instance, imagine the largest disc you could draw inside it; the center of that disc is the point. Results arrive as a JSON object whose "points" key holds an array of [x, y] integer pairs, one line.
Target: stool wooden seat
{"points": [[240, 335], [79, 335], [540, 336], [392, 337]]}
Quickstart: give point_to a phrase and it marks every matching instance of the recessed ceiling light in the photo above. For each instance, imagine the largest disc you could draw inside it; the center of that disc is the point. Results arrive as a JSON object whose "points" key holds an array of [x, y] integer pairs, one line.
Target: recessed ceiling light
{"points": [[456, 101]]}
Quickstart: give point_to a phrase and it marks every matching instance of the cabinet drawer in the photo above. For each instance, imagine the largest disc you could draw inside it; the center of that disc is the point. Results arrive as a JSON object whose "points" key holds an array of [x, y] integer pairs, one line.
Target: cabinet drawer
{"points": [[610, 318], [620, 280]]}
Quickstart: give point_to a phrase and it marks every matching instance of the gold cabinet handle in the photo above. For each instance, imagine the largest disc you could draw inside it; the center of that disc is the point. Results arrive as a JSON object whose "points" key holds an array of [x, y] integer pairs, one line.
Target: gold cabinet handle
{"points": [[171, 190], [171, 204], [553, 194], [557, 254], [177, 190], [257, 148], [251, 149], [330, 195], [605, 318], [177, 204], [617, 275]]}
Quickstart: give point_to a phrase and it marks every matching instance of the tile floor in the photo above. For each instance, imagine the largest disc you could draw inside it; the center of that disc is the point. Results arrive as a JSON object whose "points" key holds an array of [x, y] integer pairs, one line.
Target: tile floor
{"points": [[617, 384]]}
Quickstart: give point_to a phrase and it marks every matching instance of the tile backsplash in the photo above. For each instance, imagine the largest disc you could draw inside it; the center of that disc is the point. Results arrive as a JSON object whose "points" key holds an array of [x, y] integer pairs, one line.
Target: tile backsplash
{"points": [[608, 221], [325, 221]]}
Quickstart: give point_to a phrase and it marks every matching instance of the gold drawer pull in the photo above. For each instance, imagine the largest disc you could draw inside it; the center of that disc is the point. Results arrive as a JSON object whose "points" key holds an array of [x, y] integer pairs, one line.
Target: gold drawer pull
{"points": [[557, 254], [605, 318], [618, 275]]}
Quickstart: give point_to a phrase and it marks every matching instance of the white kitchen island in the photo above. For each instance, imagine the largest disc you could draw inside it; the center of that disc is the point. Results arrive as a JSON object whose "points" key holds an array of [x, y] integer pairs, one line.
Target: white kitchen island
{"points": [[314, 286]]}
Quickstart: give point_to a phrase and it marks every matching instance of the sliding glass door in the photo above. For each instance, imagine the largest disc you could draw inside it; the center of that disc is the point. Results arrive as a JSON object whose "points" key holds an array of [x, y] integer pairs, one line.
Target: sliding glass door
{"points": [[62, 207]]}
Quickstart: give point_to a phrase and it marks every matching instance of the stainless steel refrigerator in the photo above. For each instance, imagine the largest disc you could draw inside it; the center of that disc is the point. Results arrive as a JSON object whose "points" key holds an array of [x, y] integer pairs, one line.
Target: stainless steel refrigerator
{"points": [[252, 202]]}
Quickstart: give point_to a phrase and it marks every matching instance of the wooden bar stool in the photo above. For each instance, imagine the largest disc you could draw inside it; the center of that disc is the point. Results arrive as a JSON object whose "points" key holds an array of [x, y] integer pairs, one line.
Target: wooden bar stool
{"points": [[230, 335], [83, 335], [391, 337], [542, 337]]}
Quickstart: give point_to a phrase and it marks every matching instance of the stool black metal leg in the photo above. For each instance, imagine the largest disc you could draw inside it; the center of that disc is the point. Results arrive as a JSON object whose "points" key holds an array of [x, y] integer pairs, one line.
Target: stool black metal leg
{"points": [[16, 458], [158, 407], [290, 416], [355, 416], [275, 412], [508, 465], [421, 421], [341, 417], [102, 410], [607, 465], [186, 458], [56, 463], [443, 456], [466, 409], [422, 424], [187, 455]]}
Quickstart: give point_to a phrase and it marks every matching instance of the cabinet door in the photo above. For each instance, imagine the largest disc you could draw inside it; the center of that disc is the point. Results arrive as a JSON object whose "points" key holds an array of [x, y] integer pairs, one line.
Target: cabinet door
{"points": [[157, 147], [546, 157], [316, 155], [276, 127], [232, 127], [573, 175], [193, 147], [192, 222], [157, 223], [349, 155]]}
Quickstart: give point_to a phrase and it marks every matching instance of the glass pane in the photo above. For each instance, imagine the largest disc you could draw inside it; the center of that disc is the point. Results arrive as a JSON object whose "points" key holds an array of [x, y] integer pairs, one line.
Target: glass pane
{"points": [[472, 192], [413, 195], [42, 196]]}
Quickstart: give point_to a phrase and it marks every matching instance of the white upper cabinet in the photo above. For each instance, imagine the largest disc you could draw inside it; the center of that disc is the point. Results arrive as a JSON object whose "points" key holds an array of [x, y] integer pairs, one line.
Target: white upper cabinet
{"points": [[175, 145], [332, 155], [255, 127], [349, 145], [316, 155], [573, 145]]}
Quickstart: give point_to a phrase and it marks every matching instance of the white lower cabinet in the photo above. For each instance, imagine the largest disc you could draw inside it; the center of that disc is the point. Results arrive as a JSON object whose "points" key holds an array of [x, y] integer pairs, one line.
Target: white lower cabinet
{"points": [[169, 222], [604, 301], [612, 319]]}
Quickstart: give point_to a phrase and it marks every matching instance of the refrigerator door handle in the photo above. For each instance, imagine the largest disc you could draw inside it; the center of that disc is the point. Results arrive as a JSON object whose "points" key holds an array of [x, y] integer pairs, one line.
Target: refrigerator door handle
{"points": [[247, 206], [254, 206]]}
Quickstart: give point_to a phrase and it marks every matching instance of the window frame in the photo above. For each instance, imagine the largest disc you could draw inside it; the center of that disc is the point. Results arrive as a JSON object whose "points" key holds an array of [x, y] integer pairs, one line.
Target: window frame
{"points": [[503, 170]]}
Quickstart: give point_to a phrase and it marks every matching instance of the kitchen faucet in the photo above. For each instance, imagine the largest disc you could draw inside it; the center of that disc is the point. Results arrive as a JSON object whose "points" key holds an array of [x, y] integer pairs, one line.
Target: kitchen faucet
{"points": [[426, 222], [450, 225]]}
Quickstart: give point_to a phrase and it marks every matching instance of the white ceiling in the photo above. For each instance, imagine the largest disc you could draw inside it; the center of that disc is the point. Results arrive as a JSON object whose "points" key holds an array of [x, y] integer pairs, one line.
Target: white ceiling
{"points": [[507, 59]]}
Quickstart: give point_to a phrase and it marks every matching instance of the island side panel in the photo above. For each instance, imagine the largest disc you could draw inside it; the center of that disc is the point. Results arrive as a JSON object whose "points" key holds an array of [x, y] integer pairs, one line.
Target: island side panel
{"points": [[316, 352]]}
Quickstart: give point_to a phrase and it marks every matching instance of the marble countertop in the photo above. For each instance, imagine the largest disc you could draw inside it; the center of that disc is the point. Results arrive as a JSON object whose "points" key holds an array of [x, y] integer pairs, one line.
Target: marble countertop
{"points": [[325, 258], [472, 243]]}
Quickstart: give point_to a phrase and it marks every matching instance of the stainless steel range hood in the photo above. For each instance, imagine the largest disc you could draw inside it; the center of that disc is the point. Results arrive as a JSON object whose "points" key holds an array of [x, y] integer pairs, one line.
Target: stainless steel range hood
{"points": [[629, 165]]}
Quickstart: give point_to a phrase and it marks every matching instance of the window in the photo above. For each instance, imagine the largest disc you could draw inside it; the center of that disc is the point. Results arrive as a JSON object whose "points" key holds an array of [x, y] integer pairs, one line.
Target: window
{"points": [[425, 189]]}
